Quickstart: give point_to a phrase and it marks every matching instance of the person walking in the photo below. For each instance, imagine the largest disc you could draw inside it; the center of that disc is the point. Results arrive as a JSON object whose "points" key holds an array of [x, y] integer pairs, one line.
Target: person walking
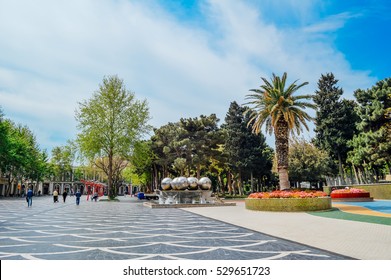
{"points": [[29, 197], [78, 195], [64, 195], [95, 197], [55, 196]]}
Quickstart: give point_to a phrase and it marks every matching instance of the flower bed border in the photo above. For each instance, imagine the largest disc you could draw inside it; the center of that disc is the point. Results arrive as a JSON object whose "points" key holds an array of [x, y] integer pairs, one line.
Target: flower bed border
{"points": [[289, 204], [341, 195], [349, 195], [354, 199]]}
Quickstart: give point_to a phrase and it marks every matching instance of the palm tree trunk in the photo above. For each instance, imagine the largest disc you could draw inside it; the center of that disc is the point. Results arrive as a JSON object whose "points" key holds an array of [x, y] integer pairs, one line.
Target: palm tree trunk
{"points": [[282, 150]]}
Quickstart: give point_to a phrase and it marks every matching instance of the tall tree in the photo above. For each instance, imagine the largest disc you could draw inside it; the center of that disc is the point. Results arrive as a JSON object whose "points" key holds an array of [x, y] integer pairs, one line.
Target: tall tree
{"points": [[335, 120], [283, 113], [110, 123], [372, 144], [22, 157], [4, 142], [247, 153]]}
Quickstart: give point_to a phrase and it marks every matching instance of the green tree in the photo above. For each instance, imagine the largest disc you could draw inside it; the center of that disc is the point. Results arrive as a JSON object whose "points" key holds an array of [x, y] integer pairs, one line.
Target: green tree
{"points": [[62, 161], [307, 162], [372, 144], [335, 120], [188, 146], [200, 141], [141, 164], [110, 122], [166, 147], [4, 142], [283, 113], [247, 153], [22, 157]]}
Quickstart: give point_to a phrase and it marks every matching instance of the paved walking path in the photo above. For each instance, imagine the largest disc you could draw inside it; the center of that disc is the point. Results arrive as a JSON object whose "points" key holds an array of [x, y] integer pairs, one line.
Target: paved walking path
{"points": [[361, 240], [128, 230]]}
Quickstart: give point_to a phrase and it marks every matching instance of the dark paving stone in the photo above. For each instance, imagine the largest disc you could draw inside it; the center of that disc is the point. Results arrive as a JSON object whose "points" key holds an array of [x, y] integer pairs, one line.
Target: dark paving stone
{"points": [[128, 230]]}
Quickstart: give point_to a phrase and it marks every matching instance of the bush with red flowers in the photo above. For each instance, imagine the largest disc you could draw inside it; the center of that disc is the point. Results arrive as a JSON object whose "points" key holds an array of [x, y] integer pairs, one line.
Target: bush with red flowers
{"points": [[288, 194], [349, 193], [288, 201]]}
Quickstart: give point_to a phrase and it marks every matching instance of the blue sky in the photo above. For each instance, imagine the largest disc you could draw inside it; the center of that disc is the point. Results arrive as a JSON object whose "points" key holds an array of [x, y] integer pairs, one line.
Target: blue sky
{"points": [[186, 58]]}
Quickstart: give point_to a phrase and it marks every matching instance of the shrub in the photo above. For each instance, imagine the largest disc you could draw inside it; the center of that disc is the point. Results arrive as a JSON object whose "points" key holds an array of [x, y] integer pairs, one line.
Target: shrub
{"points": [[288, 194]]}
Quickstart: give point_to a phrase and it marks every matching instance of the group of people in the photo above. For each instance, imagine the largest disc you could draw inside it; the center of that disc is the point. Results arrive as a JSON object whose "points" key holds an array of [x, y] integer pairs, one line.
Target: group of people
{"points": [[64, 196], [29, 197]]}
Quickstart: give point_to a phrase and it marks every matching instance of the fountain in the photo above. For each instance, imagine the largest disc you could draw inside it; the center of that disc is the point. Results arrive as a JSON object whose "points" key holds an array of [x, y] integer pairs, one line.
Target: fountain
{"points": [[182, 190], [186, 192]]}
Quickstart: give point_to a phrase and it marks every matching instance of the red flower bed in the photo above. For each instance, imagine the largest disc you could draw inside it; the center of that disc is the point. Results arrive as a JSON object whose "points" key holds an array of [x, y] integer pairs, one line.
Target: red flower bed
{"points": [[288, 194], [349, 193]]}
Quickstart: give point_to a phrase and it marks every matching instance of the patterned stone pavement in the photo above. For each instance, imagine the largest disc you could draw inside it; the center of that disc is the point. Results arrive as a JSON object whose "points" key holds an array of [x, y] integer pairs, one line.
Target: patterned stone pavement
{"points": [[129, 230]]}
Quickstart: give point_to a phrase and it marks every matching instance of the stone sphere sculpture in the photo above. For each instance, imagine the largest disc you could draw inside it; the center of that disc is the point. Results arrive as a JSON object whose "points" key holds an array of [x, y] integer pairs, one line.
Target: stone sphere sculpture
{"points": [[193, 183], [174, 183], [166, 184], [182, 183], [205, 183]]}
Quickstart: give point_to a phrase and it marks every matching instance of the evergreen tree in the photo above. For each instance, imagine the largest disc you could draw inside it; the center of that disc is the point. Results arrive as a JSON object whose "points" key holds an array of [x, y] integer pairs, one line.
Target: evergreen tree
{"points": [[188, 146], [200, 140], [335, 120], [165, 147], [247, 153], [372, 145]]}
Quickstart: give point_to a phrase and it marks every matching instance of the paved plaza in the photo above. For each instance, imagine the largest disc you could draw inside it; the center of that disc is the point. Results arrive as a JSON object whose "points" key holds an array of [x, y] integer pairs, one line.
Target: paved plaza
{"points": [[128, 230]]}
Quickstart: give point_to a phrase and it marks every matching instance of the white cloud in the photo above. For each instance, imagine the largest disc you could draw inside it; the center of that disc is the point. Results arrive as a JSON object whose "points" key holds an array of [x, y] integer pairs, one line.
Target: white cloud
{"points": [[330, 24], [54, 54]]}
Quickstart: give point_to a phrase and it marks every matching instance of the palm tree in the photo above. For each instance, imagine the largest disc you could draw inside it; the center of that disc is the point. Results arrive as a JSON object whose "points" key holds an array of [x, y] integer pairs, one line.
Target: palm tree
{"points": [[275, 106]]}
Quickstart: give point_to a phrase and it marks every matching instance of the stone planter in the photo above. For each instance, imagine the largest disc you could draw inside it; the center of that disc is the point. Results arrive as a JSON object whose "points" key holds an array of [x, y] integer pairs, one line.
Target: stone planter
{"points": [[289, 204]]}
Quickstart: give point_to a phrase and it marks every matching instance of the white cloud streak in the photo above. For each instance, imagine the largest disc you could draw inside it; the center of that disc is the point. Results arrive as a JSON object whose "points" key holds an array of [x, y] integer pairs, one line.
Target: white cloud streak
{"points": [[54, 54]]}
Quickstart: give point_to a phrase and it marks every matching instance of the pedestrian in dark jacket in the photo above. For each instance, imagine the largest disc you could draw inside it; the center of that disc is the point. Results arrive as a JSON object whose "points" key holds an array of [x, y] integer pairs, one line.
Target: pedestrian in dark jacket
{"points": [[64, 195], [95, 197], [78, 195], [29, 197]]}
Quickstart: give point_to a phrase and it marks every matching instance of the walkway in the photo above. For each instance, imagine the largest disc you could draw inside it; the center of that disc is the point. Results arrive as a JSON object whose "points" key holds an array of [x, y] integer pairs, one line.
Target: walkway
{"points": [[128, 230], [357, 239]]}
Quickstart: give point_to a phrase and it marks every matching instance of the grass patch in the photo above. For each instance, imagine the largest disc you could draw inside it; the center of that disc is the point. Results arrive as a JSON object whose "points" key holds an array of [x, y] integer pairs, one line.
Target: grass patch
{"points": [[335, 213]]}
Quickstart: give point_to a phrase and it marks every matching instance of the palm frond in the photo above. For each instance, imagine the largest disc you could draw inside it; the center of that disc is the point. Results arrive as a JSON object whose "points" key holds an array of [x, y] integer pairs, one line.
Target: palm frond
{"points": [[273, 102]]}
